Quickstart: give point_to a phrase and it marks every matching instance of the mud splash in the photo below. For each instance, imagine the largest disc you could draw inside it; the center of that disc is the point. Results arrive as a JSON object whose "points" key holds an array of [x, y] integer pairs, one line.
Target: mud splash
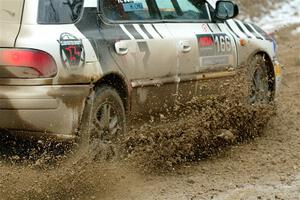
{"points": [[48, 175], [202, 129]]}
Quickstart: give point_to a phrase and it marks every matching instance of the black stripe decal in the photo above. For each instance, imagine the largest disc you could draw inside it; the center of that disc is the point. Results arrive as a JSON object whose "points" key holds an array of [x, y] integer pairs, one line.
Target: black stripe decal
{"points": [[219, 27], [157, 31], [262, 32], [145, 31], [235, 42], [232, 30], [241, 29], [88, 25], [99, 34], [133, 31], [102, 37], [210, 28], [252, 31]]}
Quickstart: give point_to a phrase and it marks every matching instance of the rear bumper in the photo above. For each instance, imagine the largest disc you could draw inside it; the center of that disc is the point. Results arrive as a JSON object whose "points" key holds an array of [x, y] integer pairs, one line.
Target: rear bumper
{"points": [[46, 110]]}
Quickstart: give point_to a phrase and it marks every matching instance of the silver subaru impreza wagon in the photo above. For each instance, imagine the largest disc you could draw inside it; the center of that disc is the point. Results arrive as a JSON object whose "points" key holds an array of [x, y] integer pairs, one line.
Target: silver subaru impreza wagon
{"points": [[132, 56]]}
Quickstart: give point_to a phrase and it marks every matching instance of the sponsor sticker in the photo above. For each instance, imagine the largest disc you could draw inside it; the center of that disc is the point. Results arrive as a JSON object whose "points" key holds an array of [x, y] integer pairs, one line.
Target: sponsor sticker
{"points": [[215, 60], [71, 51], [205, 28], [206, 41], [129, 7], [214, 44]]}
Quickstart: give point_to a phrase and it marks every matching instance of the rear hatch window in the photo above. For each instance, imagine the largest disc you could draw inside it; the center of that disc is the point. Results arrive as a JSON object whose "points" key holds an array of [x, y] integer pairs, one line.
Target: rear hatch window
{"points": [[59, 11]]}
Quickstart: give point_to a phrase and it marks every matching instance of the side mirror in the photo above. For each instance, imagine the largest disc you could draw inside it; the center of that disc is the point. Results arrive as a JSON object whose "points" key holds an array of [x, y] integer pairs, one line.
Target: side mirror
{"points": [[226, 9]]}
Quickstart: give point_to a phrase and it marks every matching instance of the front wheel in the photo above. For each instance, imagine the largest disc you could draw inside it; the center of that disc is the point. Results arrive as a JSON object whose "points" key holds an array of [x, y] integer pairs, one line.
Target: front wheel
{"points": [[260, 90]]}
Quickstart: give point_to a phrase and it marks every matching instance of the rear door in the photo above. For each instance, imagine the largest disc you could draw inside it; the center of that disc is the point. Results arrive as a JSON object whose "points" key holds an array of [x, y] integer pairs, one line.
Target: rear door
{"points": [[204, 48], [10, 19], [148, 53]]}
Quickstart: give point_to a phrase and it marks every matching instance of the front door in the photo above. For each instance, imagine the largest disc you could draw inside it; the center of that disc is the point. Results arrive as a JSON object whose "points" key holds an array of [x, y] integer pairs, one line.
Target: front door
{"points": [[203, 48]]}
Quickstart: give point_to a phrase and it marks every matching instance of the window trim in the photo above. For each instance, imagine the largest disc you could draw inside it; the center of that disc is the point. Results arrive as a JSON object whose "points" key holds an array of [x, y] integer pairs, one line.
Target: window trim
{"points": [[208, 12], [160, 20], [111, 21]]}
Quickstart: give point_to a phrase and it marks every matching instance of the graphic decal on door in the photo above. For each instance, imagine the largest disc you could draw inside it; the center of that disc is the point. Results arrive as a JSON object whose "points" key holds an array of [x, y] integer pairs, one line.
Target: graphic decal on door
{"points": [[214, 49], [71, 51], [141, 31]]}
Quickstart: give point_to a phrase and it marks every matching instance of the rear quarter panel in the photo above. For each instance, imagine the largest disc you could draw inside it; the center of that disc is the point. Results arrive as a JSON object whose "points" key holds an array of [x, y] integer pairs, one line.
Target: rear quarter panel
{"points": [[47, 37], [10, 18]]}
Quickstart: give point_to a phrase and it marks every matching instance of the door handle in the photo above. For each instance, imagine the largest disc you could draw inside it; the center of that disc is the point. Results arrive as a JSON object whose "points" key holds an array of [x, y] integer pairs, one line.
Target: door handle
{"points": [[121, 48], [185, 46]]}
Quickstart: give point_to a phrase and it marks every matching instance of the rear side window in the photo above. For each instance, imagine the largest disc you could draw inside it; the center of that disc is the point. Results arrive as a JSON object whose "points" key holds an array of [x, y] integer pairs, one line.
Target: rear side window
{"points": [[127, 10], [183, 9], [59, 11]]}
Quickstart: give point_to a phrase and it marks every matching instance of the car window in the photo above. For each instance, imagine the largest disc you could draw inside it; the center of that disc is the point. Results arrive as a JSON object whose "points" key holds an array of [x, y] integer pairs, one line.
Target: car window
{"points": [[183, 9], [59, 11], [128, 10]]}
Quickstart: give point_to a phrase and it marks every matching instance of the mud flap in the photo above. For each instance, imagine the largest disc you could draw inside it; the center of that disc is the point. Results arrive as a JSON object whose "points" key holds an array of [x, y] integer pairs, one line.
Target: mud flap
{"points": [[85, 125]]}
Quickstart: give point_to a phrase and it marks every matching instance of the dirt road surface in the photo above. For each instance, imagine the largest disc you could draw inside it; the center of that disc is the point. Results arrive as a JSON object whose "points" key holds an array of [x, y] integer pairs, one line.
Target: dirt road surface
{"points": [[267, 167]]}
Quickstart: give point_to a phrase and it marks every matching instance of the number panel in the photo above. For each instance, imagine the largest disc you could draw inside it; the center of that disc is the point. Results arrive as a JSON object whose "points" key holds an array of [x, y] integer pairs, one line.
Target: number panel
{"points": [[215, 50], [214, 44]]}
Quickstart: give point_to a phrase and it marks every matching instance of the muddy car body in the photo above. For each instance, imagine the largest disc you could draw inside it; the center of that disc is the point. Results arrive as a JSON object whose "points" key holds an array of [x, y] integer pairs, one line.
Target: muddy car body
{"points": [[54, 53]]}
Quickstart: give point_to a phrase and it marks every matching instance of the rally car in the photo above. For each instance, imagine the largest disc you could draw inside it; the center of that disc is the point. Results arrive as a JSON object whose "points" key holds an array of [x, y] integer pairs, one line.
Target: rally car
{"points": [[128, 56]]}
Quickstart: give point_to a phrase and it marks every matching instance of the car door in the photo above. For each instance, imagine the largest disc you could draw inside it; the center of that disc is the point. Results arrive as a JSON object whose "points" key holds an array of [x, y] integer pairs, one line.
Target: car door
{"points": [[204, 49], [148, 54]]}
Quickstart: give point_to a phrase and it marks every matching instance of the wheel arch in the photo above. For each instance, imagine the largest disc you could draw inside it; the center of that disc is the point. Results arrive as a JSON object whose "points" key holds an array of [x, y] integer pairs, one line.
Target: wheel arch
{"points": [[119, 83]]}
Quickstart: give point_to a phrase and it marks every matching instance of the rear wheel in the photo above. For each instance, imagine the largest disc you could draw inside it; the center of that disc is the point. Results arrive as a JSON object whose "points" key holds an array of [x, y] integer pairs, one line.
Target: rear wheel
{"points": [[106, 124], [260, 91]]}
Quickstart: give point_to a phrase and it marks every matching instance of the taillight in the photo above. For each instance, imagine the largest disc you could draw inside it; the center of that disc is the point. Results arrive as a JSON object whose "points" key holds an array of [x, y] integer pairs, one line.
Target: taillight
{"points": [[26, 63]]}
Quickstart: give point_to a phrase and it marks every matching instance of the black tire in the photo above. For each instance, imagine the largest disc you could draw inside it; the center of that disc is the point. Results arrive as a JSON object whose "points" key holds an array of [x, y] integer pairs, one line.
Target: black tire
{"points": [[260, 90], [106, 124]]}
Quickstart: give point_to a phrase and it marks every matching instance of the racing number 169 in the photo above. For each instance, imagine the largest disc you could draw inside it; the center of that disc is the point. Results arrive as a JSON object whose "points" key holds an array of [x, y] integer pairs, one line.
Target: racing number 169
{"points": [[223, 43]]}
